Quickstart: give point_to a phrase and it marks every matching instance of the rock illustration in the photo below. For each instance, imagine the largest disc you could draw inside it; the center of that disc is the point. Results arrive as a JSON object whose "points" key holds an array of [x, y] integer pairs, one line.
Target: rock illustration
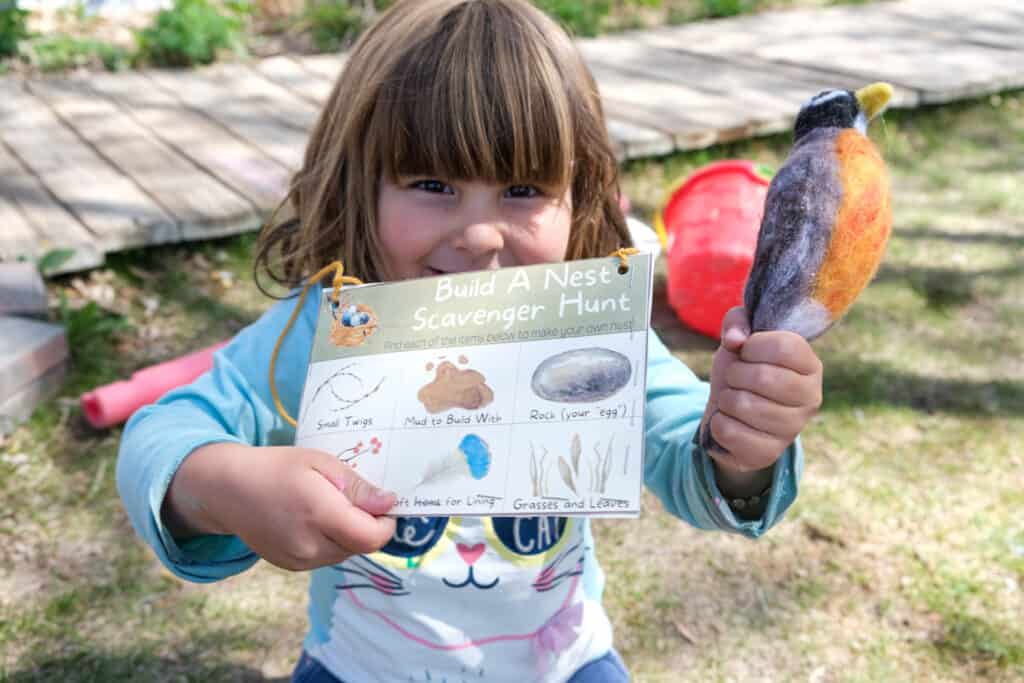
{"points": [[454, 388], [581, 375]]}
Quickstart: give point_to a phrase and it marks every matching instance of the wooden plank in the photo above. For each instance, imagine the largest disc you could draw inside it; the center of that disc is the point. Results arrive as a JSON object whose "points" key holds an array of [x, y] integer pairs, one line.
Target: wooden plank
{"points": [[872, 26], [245, 119], [239, 165], [34, 223], [996, 23], [769, 92], [866, 43], [104, 199], [17, 238], [682, 136], [701, 74], [798, 82], [288, 73], [637, 141], [197, 201], [693, 117], [941, 72], [326, 66], [262, 94]]}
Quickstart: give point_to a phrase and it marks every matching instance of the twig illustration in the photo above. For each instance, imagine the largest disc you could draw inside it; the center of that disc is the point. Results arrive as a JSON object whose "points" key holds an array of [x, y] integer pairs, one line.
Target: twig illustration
{"points": [[349, 455], [346, 403], [539, 472]]}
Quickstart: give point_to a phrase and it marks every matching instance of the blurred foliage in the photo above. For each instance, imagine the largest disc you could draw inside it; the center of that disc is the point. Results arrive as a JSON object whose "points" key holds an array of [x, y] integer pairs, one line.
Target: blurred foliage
{"points": [[579, 17], [333, 25], [590, 17], [193, 32], [61, 52], [12, 27], [726, 8]]}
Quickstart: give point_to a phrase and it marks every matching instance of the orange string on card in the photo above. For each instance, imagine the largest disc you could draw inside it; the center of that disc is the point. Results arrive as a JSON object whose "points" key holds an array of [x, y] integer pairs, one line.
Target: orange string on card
{"points": [[623, 254], [339, 280]]}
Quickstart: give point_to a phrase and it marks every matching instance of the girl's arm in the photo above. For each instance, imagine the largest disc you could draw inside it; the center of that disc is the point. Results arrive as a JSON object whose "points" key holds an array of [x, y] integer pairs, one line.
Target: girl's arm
{"points": [[680, 473], [229, 404]]}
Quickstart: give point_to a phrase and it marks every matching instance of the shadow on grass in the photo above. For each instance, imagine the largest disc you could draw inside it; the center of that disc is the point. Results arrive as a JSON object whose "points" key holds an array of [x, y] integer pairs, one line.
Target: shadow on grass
{"points": [[891, 273], [111, 667], [923, 232], [851, 382]]}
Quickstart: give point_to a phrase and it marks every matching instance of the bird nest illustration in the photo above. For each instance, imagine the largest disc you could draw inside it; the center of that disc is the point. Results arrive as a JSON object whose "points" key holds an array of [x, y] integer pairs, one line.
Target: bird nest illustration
{"points": [[353, 323]]}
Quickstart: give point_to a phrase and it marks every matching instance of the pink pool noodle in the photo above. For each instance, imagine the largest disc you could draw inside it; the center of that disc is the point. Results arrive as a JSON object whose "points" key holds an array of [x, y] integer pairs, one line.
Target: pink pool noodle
{"points": [[114, 403]]}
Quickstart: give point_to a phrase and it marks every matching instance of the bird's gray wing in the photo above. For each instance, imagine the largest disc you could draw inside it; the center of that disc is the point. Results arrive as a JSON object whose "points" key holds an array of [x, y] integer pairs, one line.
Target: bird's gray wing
{"points": [[800, 208]]}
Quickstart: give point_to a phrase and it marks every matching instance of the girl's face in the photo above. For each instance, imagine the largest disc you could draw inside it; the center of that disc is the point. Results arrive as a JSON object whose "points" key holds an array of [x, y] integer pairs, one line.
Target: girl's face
{"points": [[432, 226]]}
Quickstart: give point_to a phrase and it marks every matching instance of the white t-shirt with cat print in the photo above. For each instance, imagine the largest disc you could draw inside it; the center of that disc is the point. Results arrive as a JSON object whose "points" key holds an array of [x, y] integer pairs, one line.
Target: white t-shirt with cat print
{"points": [[457, 599]]}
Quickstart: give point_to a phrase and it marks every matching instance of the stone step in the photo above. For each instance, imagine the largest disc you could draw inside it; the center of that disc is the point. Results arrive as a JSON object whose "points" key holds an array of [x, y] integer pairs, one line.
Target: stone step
{"points": [[33, 362], [22, 291]]}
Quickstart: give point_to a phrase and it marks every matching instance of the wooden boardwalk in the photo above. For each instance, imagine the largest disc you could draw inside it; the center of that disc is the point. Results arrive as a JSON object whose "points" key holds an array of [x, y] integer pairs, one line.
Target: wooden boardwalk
{"points": [[105, 162]]}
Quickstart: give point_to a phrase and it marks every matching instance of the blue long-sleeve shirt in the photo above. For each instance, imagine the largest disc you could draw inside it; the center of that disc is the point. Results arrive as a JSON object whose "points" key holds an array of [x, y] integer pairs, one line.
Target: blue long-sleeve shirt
{"points": [[495, 599]]}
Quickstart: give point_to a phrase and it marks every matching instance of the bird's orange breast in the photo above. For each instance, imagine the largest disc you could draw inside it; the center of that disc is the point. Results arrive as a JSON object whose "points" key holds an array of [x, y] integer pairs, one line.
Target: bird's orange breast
{"points": [[862, 225]]}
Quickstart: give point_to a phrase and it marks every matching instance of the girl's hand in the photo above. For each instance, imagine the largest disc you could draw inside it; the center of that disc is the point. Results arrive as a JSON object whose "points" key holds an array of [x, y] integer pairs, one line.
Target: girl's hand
{"points": [[764, 388], [298, 508]]}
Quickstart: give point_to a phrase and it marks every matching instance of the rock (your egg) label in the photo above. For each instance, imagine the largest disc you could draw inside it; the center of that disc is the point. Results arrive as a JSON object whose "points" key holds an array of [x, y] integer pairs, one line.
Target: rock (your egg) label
{"points": [[518, 391]]}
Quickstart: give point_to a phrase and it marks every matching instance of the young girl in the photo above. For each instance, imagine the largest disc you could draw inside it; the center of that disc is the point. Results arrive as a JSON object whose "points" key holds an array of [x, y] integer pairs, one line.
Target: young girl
{"points": [[462, 135]]}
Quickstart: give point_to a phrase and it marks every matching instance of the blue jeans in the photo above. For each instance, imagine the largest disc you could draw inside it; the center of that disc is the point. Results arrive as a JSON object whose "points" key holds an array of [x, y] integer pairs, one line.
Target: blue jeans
{"points": [[607, 669]]}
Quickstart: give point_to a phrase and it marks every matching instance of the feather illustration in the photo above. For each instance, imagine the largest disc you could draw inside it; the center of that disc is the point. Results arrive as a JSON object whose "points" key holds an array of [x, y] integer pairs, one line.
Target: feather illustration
{"points": [[472, 458]]}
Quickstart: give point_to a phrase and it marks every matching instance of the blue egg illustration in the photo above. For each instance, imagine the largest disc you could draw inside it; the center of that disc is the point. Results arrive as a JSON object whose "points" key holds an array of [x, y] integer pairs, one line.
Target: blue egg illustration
{"points": [[477, 454], [348, 315]]}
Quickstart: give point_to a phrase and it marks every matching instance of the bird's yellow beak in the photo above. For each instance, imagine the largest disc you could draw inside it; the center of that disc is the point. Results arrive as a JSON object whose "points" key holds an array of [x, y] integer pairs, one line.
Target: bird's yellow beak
{"points": [[874, 98]]}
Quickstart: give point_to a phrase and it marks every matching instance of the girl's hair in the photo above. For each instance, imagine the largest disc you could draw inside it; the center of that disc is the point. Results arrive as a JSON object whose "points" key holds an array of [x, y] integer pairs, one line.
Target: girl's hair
{"points": [[460, 89]]}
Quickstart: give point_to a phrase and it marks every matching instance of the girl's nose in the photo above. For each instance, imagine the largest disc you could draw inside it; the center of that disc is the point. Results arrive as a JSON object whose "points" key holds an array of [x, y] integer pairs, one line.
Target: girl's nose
{"points": [[481, 240]]}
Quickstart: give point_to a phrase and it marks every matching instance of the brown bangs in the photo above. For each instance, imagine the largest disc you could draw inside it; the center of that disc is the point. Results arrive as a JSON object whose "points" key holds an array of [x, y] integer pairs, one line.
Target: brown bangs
{"points": [[454, 89], [479, 100]]}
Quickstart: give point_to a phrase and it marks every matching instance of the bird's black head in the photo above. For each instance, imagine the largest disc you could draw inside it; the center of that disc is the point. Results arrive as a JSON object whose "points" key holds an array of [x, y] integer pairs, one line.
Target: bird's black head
{"points": [[829, 109]]}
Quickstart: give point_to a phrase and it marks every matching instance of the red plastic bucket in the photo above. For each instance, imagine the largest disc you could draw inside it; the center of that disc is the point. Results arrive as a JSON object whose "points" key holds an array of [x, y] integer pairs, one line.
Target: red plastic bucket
{"points": [[710, 224]]}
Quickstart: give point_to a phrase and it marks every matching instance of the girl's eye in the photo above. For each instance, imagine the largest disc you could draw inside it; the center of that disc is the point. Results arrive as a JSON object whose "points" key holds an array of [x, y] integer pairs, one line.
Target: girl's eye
{"points": [[434, 186], [523, 191]]}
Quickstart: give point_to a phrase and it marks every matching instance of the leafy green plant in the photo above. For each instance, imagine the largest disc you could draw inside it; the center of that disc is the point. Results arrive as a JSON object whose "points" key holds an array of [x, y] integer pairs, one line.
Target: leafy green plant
{"points": [[333, 24], [726, 8], [89, 332], [579, 17], [193, 32], [13, 27], [61, 52], [54, 259]]}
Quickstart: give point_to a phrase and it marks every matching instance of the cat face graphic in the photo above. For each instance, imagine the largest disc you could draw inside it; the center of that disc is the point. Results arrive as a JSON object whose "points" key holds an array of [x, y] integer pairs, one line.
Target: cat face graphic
{"points": [[444, 584]]}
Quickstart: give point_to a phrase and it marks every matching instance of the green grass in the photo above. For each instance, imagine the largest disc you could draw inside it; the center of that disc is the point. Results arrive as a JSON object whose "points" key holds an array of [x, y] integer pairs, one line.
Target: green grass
{"points": [[902, 560], [63, 52], [914, 471]]}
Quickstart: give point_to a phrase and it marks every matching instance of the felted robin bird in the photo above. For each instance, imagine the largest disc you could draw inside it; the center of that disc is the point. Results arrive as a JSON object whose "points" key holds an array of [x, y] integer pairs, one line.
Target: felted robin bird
{"points": [[827, 217]]}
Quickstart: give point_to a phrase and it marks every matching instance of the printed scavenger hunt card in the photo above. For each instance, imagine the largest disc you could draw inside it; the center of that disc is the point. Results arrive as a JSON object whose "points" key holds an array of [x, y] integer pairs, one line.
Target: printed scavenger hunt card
{"points": [[510, 392]]}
